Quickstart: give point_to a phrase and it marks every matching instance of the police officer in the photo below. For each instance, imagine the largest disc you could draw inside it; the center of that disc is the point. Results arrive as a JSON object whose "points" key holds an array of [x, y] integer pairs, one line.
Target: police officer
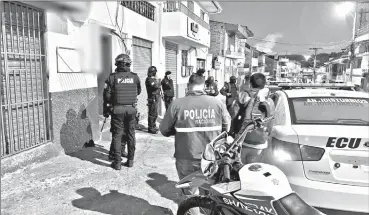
{"points": [[153, 98], [194, 120], [210, 87], [122, 90], [107, 111], [168, 89]]}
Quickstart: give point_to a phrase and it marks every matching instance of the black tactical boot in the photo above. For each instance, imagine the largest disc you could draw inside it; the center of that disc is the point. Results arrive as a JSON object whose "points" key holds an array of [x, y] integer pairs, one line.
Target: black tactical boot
{"points": [[129, 163], [124, 154], [116, 166]]}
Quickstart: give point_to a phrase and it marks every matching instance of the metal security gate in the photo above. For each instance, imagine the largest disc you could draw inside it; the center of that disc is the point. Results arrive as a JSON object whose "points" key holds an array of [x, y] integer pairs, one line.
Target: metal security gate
{"points": [[171, 50], [142, 60], [24, 103]]}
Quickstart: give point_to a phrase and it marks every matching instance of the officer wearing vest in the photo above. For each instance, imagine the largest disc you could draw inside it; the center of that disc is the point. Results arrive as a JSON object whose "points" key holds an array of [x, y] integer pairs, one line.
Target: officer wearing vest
{"points": [[107, 111], [230, 91], [153, 98], [168, 89], [194, 120], [210, 87], [122, 90], [252, 103]]}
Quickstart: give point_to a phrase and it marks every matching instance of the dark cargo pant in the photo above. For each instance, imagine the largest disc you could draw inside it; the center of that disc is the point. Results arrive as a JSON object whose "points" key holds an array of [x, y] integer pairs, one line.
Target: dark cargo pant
{"points": [[153, 104], [124, 122], [168, 100]]}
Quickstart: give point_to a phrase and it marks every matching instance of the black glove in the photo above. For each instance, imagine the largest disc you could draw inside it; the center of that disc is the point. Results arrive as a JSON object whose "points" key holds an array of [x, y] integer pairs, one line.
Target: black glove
{"points": [[106, 114]]}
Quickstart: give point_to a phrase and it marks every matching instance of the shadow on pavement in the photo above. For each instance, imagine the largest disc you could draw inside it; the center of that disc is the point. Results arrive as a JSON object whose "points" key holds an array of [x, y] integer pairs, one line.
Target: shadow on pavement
{"points": [[165, 187], [95, 155], [116, 203]]}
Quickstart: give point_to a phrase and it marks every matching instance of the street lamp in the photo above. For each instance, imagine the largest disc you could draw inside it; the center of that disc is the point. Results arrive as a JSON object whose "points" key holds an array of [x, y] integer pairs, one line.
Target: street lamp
{"points": [[343, 9]]}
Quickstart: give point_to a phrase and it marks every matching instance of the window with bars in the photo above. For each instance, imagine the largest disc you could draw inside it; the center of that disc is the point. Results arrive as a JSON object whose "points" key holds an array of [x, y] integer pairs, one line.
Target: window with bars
{"points": [[143, 8]]}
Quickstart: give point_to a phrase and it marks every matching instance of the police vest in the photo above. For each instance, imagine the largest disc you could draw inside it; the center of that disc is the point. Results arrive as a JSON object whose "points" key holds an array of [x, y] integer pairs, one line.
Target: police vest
{"points": [[125, 89]]}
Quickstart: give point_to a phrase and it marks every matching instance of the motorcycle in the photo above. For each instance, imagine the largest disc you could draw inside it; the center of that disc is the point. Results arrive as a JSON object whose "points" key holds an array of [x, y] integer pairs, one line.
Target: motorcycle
{"points": [[230, 188]]}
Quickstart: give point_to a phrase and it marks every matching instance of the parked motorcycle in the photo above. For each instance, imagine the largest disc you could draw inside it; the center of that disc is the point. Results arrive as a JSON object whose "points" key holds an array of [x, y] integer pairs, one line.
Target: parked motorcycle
{"points": [[231, 188]]}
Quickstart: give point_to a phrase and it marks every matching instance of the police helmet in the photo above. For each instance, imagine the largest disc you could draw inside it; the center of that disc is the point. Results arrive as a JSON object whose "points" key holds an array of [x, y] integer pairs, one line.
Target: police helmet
{"points": [[151, 70], [122, 59]]}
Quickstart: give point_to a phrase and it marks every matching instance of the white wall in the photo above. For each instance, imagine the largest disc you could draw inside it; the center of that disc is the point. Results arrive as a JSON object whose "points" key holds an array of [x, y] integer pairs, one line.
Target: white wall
{"points": [[133, 25], [64, 81]]}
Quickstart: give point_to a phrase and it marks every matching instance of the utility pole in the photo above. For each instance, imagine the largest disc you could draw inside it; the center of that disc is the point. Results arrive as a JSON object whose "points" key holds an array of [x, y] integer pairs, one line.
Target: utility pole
{"points": [[315, 51], [352, 48]]}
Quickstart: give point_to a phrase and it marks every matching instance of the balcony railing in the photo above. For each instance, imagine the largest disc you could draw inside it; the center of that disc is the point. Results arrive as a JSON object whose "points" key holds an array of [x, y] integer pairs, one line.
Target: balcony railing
{"points": [[175, 6], [143, 8]]}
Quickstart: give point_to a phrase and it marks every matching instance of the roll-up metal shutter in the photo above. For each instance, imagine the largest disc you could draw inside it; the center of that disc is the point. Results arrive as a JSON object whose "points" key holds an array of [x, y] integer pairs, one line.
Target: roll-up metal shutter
{"points": [[24, 112], [142, 60], [171, 50]]}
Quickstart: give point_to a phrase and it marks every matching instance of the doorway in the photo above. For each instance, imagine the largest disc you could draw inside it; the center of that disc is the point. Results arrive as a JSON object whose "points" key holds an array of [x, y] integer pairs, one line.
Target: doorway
{"points": [[106, 47]]}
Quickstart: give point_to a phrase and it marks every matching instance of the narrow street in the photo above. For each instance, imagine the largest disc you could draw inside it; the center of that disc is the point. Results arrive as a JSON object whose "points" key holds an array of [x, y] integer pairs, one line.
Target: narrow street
{"points": [[84, 183]]}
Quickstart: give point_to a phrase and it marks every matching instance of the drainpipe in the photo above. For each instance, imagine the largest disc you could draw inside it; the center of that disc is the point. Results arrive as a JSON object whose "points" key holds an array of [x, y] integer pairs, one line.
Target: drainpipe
{"points": [[160, 37]]}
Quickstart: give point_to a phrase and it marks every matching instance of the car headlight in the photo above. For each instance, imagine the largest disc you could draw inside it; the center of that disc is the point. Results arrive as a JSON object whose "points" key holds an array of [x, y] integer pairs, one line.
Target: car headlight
{"points": [[283, 150]]}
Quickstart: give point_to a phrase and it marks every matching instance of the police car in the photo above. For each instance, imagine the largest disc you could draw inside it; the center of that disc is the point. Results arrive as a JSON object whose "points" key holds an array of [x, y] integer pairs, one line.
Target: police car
{"points": [[320, 140]]}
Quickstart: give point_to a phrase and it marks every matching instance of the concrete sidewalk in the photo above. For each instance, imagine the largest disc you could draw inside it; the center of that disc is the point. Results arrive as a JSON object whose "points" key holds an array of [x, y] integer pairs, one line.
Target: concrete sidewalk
{"points": [[84, 183]]}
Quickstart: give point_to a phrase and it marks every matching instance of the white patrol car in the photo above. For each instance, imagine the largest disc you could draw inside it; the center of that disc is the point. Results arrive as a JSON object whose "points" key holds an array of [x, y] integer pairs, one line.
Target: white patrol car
{"points": [[320, 140]]}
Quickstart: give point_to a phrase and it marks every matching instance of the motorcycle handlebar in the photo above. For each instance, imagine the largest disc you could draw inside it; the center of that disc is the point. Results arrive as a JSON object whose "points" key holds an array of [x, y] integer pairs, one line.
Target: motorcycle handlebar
{"points": [[226, 173]]}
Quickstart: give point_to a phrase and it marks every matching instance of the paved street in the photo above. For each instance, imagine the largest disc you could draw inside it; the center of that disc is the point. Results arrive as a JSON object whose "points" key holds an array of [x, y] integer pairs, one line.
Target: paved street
{"points": [[83, 183]]}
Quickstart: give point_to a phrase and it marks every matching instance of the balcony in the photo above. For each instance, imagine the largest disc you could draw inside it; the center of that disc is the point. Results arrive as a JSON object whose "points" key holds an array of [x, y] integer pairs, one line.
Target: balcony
{"points": [[181, 25], [143, 8], [236, 30], [174, 6], [234, 54]]}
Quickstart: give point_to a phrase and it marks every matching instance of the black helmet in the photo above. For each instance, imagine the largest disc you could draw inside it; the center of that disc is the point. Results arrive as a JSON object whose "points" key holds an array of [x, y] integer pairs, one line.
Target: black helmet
{"points": [[123, 58], [151, 70]]}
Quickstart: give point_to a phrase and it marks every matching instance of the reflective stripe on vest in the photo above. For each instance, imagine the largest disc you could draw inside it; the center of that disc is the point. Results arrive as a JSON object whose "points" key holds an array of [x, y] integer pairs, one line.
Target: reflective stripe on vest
{"points": [[195, 129]]}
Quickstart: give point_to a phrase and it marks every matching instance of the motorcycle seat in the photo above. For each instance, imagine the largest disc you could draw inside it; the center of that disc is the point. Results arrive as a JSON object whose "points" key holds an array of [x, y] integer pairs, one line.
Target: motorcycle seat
{"points": [[294, 205]]}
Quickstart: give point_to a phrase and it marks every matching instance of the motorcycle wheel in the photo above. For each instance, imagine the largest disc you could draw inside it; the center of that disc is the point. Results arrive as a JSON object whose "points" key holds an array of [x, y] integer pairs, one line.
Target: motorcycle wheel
{"points": [[205, 203]]}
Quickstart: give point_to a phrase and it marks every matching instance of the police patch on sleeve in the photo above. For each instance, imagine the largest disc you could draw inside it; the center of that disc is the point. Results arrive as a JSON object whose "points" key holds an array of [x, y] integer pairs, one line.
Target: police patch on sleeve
{"points": [[152, 83]]}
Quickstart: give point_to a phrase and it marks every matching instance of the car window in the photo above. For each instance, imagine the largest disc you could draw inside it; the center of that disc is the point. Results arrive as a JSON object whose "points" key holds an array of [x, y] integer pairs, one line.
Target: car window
{"points": [[280, 112], [330, 111]]}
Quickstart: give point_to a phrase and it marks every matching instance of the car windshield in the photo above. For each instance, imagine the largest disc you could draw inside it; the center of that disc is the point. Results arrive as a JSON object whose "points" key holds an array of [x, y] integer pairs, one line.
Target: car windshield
{"points": [[330, 111]]}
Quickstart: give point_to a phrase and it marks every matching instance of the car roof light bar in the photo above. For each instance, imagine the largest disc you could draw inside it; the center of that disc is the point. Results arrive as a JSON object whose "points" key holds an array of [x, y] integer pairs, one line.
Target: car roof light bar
{"points": [[312, 85]]}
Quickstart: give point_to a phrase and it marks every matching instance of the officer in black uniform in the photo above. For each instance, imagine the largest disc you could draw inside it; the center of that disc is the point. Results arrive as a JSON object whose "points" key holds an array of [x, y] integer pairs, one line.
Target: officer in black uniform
{"points": [[107, 111], [153, 98], [168, 89], [122, 89]]}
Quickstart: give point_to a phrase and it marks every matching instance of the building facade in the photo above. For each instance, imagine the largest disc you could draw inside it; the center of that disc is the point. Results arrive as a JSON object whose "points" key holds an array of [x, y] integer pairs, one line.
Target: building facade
{"points": [[57, 56], [186, 39], [227, 46]]}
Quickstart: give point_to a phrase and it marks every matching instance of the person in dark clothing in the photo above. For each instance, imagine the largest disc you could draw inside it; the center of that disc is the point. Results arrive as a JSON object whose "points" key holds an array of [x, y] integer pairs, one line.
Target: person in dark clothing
{"points": [[246, 84], [122, 89], [107, 111], [230, 91], [210, 87], [168, 89], [153, 98], [250, 104]]}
